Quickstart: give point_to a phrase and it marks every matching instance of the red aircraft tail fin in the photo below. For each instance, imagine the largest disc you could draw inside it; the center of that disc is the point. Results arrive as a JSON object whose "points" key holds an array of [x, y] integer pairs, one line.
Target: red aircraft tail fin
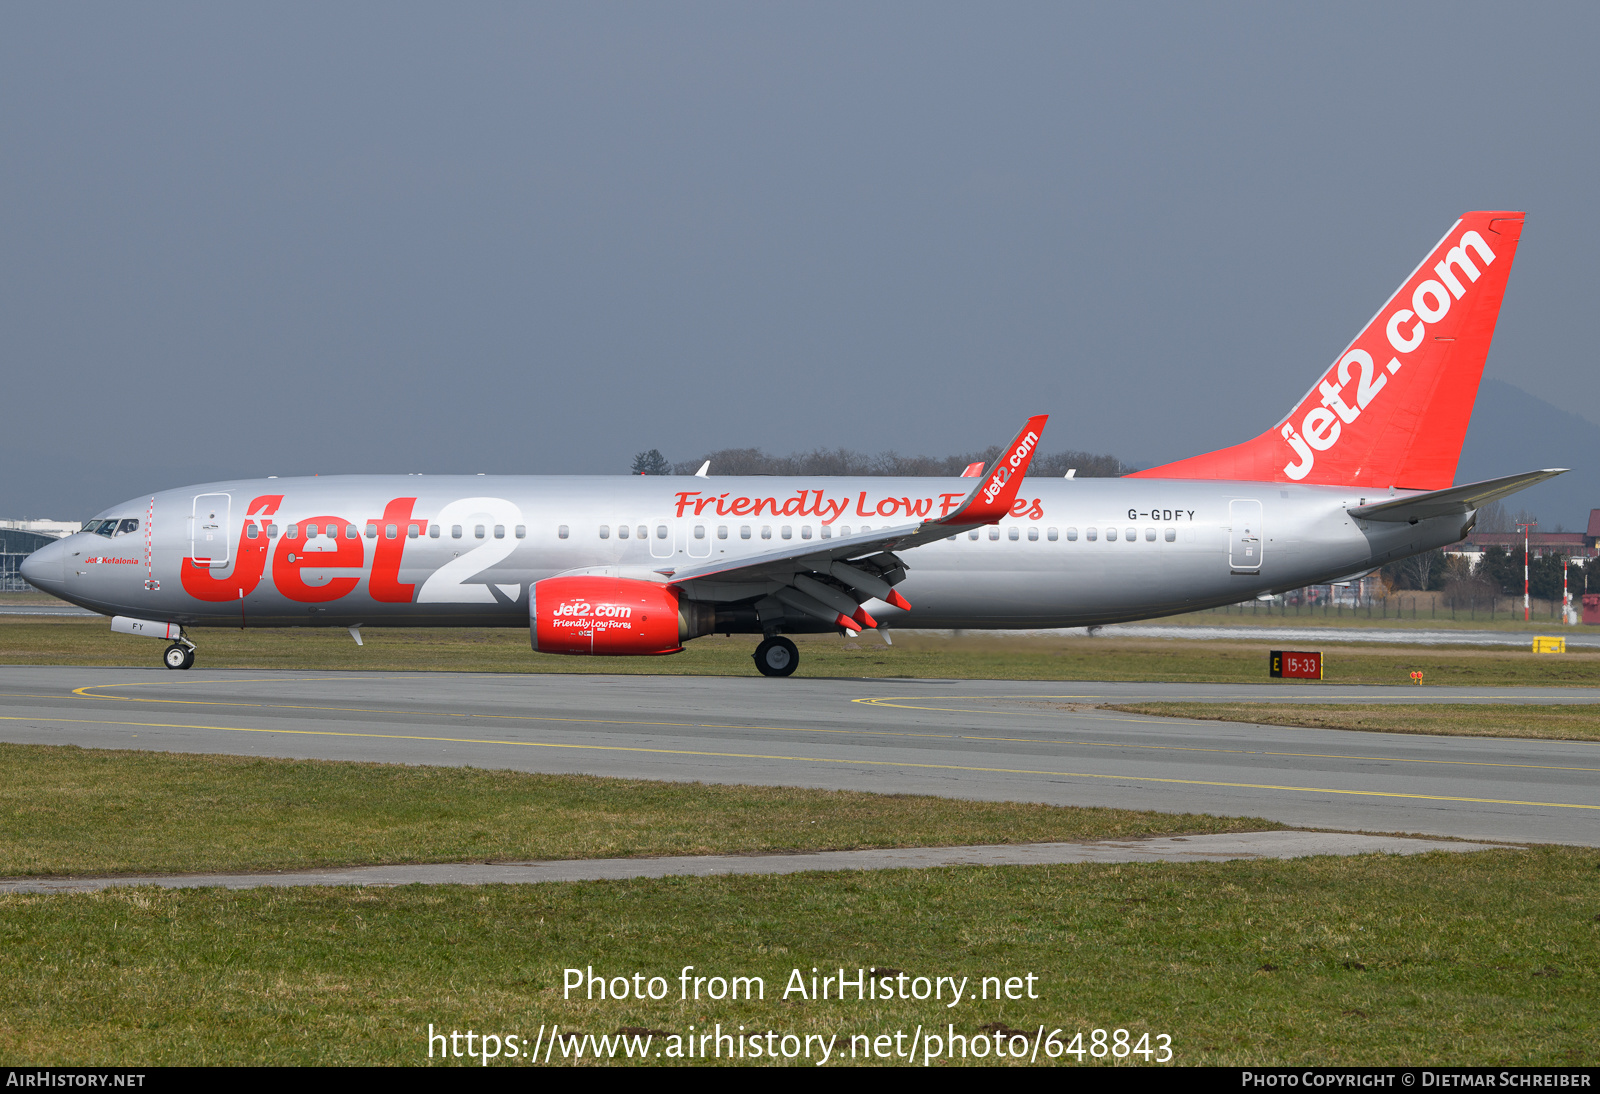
{"points": [[1393, 409]]}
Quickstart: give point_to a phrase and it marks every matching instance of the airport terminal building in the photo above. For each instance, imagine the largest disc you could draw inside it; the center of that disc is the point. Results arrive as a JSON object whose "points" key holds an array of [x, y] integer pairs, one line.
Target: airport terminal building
{"points": [[18, 540]]}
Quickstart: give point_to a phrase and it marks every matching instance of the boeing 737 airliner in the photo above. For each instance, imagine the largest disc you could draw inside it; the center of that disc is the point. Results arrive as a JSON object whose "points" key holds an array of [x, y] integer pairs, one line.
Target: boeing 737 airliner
{"points": [[1358, 474]]}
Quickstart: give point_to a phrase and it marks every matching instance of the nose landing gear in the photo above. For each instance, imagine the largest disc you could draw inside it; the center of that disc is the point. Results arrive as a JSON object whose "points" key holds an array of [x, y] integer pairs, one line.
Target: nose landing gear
{"points": [[777, 656], [179, 655]]}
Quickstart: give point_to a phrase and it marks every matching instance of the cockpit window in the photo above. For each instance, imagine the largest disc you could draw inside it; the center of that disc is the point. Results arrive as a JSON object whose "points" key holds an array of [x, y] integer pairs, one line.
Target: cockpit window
{"points": [[101, 527], [126, 526]]}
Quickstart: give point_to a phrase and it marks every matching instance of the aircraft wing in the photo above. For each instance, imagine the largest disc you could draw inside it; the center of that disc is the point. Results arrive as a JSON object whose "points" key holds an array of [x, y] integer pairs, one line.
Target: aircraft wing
{"points": [[1454, 501], [823, 578], [801, 558]]}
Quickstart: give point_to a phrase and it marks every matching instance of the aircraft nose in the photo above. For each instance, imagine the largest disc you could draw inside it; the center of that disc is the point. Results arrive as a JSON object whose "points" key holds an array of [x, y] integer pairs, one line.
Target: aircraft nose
{"points": [[46, 568]]}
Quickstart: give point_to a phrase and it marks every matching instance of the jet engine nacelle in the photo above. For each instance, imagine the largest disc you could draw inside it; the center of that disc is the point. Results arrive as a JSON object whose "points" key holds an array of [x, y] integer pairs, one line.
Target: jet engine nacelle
{"points": [[613, 616]]}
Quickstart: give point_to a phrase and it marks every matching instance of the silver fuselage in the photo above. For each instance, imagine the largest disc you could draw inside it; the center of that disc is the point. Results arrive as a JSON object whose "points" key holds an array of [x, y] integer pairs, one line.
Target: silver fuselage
{"points": [[466, 549]]}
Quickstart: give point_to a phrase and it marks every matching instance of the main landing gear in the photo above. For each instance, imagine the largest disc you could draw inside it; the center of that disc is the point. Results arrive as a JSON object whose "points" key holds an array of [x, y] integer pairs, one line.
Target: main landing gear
{"points": [[179, 655], [776, 656]]}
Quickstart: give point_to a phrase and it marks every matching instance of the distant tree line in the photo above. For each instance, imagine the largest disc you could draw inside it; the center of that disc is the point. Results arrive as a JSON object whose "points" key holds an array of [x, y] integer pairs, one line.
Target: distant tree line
{"points": [[845, 461], [1499, 573]]}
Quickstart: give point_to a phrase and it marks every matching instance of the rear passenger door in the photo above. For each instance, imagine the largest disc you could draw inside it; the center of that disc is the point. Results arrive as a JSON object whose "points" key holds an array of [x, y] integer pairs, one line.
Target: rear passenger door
{"points": [[1244, 535]]}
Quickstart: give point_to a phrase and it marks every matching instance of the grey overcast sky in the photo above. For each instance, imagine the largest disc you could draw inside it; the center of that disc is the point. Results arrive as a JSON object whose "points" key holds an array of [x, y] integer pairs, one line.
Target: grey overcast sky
{"points": [[538, 238]]}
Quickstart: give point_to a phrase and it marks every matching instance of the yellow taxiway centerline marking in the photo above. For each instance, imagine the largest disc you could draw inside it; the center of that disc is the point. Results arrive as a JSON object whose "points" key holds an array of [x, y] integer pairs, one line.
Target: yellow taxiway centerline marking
{"points": [[813, 759], [82, 691]]}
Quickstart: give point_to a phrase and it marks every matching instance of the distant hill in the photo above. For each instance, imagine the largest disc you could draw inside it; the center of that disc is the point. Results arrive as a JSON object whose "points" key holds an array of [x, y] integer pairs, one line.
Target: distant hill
{"points": [[1513, 431]]}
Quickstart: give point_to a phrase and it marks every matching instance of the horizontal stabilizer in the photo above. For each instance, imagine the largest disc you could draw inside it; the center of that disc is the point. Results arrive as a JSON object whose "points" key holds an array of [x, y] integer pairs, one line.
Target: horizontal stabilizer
{"points": [[1455, 501]]}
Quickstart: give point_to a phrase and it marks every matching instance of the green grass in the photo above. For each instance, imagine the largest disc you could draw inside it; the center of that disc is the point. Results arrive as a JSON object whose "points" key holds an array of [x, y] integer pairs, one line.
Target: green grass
{"points": [[1561, 722], [76, 811], [1490, 958], [1403, 611], [74, 641], [32, 597]]}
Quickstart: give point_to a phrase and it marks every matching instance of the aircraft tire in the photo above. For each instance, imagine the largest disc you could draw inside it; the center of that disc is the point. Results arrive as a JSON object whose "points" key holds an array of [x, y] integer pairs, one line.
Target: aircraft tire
{"points": [[178, 657], [777, 656]]}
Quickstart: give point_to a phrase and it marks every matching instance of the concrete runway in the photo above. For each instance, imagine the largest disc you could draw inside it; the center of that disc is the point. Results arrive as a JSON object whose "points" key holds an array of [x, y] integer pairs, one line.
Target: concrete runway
{"points": [[1221, 847], [1577, 637], [994, 740]]}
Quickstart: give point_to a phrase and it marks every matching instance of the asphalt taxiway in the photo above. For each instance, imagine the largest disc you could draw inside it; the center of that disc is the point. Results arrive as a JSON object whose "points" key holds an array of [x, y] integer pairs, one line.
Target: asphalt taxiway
{"points": [[993, 740]]}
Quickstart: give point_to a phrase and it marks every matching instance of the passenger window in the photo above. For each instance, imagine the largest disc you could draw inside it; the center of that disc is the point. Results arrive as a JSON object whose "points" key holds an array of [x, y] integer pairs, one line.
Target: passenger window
{"points": [[372, 531], [1014, 534], [644, 533], [1033, 533], [292, 532], [844, 531], [788, 532], [352, 532], [827, 532], [605, 531], [500, 531], [1111, 535], [1172, 535], [1089, 534], [311, 531], [744, 531], [477, 531], [389, 531], [766, 531], [722, 531], [411, 531], [433, 531], [805, 531], [1052, 535], [994, 533], [272, 531], [972, 534], [1072, 535], [521, 531], [250, 531], [661, 531], [455, 531], [1150, 535], [1132, 534], [622, 531], [699, 531]]}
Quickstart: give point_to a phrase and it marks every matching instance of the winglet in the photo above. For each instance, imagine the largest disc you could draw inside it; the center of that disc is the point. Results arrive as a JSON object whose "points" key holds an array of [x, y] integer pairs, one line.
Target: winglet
{"points": [[992, 497]]}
